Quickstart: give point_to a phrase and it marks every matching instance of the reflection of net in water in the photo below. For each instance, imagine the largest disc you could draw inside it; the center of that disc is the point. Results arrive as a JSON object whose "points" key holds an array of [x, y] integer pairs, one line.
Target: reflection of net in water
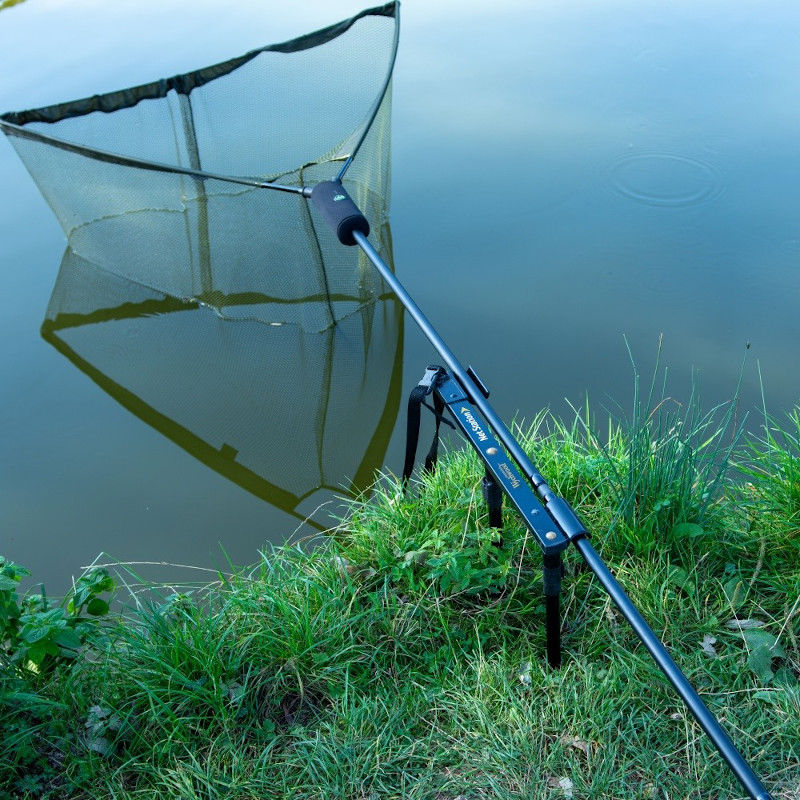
{"points": [[279, 411], [177, 161]]}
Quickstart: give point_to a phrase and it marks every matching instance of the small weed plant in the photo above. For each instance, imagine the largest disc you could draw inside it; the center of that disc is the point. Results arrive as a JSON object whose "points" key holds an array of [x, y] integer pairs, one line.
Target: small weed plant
{"points": [[38, 640]]}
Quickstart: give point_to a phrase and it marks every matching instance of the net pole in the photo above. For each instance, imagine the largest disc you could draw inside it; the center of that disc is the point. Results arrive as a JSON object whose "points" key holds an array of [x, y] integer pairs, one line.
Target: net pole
{"points": [[652, 643], [665, 663]]}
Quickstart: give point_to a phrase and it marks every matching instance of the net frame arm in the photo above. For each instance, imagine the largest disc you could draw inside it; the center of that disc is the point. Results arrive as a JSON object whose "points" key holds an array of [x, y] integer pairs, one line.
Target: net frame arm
{"points": [[12, 129]]}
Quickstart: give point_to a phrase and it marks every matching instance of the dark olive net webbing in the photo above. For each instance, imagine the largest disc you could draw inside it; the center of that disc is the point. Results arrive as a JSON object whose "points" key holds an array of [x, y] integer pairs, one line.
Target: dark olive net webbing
{"points": [[193, 162]]}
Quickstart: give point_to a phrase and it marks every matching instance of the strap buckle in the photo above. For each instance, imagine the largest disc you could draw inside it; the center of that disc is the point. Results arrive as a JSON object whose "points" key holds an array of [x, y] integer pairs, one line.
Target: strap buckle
{"points": [[428, 380]]}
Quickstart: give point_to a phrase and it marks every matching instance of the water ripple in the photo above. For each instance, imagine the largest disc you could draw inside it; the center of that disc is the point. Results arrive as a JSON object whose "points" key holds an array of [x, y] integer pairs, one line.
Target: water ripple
{"points": [[663, 179]]}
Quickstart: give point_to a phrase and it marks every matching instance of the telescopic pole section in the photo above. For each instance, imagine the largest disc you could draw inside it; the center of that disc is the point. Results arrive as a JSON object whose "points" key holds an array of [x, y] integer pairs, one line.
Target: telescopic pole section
{"points": [[673, 674], [663, 660]]}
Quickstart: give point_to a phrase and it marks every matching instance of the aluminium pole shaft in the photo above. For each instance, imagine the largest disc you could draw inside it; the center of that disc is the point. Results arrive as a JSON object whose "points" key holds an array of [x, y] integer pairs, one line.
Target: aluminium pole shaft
{"points": [[652, 643], [672, 672]]}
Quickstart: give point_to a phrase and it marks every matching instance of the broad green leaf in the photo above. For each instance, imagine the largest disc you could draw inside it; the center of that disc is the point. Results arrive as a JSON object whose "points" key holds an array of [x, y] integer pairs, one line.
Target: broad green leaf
{"points": [[687, 530], [100, 744], [758, 637], [784, 677], [97, 607], [680, 577], [31, 634], [735, 590], [54, 617], [12, 570], [68, 639], [760, 661], [39, 651]]}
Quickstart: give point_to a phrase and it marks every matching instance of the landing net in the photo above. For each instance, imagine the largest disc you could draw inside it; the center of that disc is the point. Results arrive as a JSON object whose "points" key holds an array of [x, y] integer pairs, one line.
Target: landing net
{"points": [[212, 164]]}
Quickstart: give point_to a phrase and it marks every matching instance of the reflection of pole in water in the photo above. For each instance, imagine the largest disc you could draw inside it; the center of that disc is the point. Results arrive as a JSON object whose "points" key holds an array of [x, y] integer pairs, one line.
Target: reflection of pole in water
{"points": [[193, 153]]}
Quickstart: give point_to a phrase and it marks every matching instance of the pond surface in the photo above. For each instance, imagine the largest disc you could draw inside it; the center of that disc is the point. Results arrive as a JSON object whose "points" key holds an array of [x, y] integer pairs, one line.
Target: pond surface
{"points": [[564, 176]]}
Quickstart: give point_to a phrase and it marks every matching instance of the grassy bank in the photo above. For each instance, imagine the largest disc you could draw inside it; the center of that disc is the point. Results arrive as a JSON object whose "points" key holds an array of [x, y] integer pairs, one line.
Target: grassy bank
{"points": [[404, 658]]}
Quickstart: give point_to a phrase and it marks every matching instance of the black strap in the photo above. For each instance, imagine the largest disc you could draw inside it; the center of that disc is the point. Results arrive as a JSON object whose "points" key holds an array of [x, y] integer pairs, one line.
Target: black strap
{"points": [[438, 411], [412, 429], [415, 401]]}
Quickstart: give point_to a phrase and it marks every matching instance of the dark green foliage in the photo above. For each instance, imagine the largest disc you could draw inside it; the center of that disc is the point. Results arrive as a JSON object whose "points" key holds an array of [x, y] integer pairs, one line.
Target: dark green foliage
{"points": [[436, 541], [36, 635], [39, 642]]}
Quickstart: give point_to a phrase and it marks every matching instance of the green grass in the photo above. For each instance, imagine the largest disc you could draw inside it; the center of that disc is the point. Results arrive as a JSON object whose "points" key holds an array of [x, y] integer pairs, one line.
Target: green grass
{"points": [[404, 658]]}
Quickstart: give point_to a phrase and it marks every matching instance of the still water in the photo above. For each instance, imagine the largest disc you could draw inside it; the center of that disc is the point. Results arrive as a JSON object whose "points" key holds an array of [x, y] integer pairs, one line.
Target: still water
{"points": [[564, 175]]}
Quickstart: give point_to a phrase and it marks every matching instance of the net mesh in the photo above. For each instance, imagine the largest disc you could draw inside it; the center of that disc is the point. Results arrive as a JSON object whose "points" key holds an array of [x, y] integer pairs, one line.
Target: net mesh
{"points": [[192, 162]]}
